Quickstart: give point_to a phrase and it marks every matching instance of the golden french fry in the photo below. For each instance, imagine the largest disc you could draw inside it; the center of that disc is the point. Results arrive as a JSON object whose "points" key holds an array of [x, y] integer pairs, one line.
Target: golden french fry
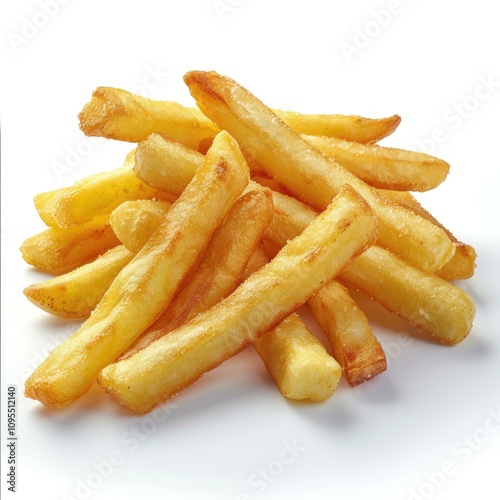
{"points": [[144, 287], [353, 343], [298, 362], [309, 174], [118, 114], [347, 127], [177, 360], [220, 270], [291, 217], [57, 250], [95, 195], [134, 221], [462, 264], [75, 294], [382, 167]]}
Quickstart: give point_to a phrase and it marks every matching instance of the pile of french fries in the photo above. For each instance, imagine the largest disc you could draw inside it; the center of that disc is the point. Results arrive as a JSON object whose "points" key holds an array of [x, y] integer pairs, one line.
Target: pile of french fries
{"points": [[222, 222]]}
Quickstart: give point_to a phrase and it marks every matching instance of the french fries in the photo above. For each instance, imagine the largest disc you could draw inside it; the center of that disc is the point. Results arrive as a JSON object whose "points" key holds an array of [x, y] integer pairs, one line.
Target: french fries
{"points": [[191, 285], [177, 360], [75, 294], [117, 114], [309, 174], [220, 270], [291, 217], [57, 250], [385, 168], [141, 291], [95, 195]]}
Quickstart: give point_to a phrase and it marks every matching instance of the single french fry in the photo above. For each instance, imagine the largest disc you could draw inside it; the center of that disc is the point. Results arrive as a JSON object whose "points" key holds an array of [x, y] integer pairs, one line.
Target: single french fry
{"points": [[382, 167], [309, 174], [291, 217], [296, 360], [220, 270], [144, 288], [353, 343], [117, 114], [347, 127], [461, 266], [95, 195], [76, 294], [57, 250], [134, 221], [177, 360]]}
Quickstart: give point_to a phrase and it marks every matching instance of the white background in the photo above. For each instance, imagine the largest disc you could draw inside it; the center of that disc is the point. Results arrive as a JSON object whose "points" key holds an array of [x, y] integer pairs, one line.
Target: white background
{"points": [[387, 440]]}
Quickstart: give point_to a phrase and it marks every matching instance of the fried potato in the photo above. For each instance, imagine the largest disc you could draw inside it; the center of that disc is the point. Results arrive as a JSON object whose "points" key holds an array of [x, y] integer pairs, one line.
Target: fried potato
{"points": [[75, 294], [462, 264], [118, 114], [134, 221], [353, 343], [296, 360], [177, 360], [385, 168], [347, 127], [291, 217], [220, 270], [423, 299], [57, 250], [309, 174], [95, 195], [144, 287]]}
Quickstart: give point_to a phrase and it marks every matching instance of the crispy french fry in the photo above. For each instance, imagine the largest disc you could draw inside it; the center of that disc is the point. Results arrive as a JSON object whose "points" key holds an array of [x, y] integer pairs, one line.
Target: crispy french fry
{"points": [[385, 168], [144, 288], [347, 127], [177, 360], [221, 268], [462, 264], [75, 294], [296, 360], [309, 174], [57, 250], [353, 343], [291, 217], [134, 221], [118, 114], [95, 195]]}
